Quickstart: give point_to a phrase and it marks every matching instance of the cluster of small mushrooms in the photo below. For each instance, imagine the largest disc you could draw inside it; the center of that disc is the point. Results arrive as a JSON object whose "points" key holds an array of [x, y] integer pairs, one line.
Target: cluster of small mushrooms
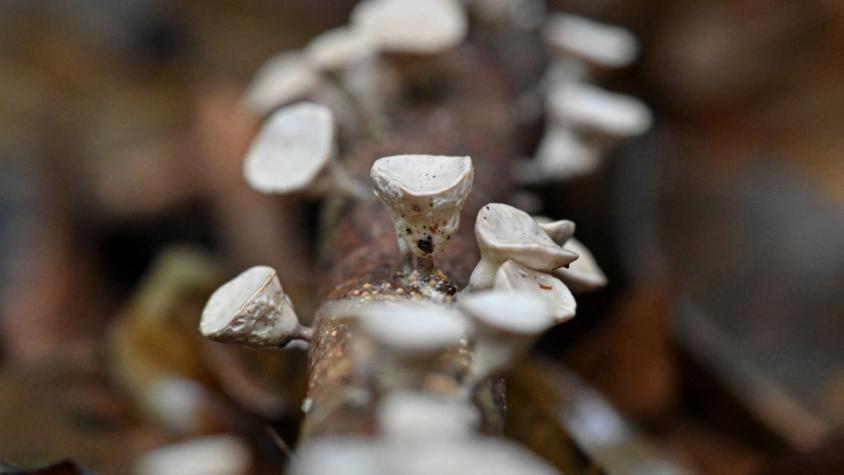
{"points": [[584, 121], [529, 266]]}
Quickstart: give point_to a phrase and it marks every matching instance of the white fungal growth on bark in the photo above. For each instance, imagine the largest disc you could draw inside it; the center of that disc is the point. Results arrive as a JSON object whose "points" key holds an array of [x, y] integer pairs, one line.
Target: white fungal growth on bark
{"points": [[295, 152], [559, 231], [386, 456], [584, 274], [561, 155], [415, 415], [252, 310], [504, 232], [284, 78], [413, 327], [505, 324], [411, 26], [215, 454], [515, 277], [590, 109], [571, 36], [339, 48], [424, 194]]}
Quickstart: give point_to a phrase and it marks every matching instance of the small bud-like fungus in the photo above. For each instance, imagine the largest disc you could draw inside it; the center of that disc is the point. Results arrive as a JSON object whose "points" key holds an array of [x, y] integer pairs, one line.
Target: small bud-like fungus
{"points": [[252, 310]]}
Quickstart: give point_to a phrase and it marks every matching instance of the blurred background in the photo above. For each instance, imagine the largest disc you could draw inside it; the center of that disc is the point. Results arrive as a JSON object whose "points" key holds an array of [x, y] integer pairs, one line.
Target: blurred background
{"points": [[720, 336]]}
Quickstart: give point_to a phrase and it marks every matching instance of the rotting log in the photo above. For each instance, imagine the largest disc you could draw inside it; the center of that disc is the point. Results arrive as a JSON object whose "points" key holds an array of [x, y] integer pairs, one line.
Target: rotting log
{"points": [[469, 114]]}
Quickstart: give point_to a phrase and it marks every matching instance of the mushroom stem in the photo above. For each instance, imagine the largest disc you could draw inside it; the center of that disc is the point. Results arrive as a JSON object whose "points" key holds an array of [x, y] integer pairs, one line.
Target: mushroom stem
{"points": [[303, 333], [412, 263]]}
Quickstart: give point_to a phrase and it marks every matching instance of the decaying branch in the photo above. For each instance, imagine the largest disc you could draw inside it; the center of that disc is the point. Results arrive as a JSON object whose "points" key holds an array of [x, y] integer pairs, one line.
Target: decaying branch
{"points": [[416, 314], [361, 259]]}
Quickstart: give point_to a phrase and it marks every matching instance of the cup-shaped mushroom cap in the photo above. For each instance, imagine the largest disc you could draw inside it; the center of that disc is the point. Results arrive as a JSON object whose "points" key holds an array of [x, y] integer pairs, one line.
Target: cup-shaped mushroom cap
{"points": [[292, 149], [338, 48], [202, 455], [559, 231], [404, 414], [411, 26], [515, 277], [591, 108], [584, 274], [562, 154], [600, 44], [507, 313], [472, 456], [424, 194], [283, 79], [413, 327], [349, 455], [251, 309], [504, 232]]}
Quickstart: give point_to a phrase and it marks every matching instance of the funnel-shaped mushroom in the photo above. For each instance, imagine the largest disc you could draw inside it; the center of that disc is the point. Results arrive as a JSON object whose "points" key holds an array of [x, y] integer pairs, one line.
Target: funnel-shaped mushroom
{"points": [[411, 26], [348, 57], [515, 277], [416, 415], [339, 48], [559, 231], [584, 274], [413, 327], [405, 340], [561, 155], [283, 79], [223, 454], [294, 152], [424, 194], [382, 456], [597, 44], [505, 324], [252, 310], [504, 232], [593, 110]]}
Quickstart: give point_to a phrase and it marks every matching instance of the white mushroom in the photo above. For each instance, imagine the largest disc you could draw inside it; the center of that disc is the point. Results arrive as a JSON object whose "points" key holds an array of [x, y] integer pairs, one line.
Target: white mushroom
{"points": [[521, 15], [349, 455], [350, 58], [295, 152], [584, 274], [411, 26], [415, 415], [424, 194], [214, 454], [284, 78], [503, 233], [379, 456], [561, 155], [593, 110], [559, 231], [571, 36], [505, 324], [252, 310], [515, 277], [413, 327], [472, 456], [405, 340], [339, 48]]}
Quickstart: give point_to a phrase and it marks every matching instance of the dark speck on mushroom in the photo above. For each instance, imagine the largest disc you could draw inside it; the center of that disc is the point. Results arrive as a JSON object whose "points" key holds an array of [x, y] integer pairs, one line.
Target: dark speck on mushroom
{"points": [[426, 245]]}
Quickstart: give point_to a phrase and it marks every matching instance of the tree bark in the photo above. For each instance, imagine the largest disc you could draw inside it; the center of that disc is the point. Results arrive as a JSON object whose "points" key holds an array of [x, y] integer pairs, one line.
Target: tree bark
{"points": [[467, 113]]}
